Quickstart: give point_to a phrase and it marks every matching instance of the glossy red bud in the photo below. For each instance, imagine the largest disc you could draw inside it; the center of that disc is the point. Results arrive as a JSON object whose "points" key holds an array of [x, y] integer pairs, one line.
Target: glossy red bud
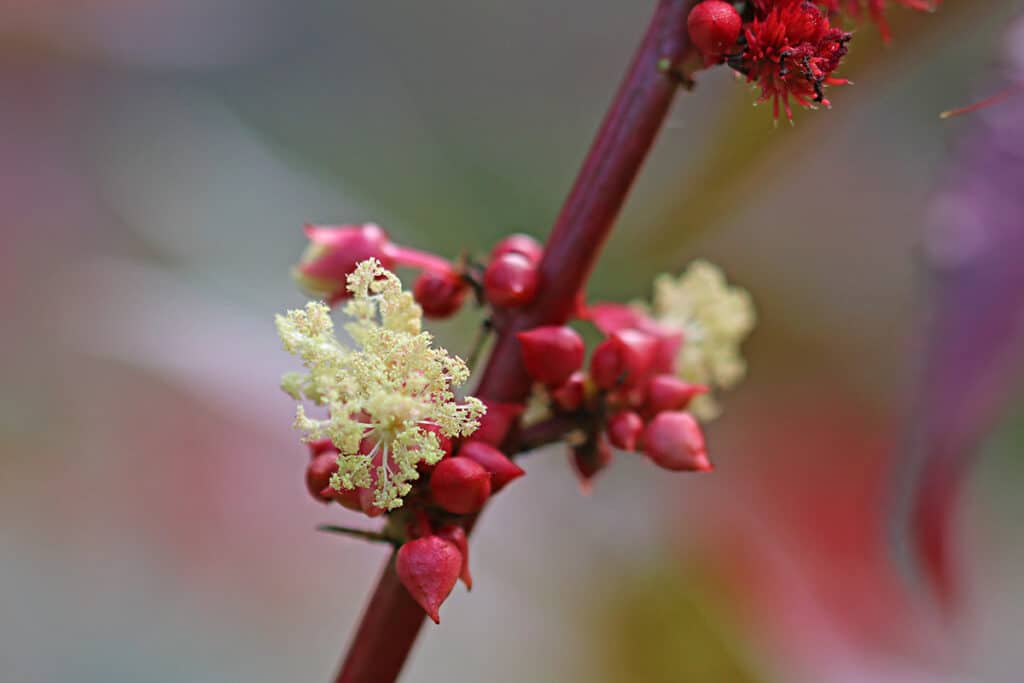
{"points": [[497, 464], [334, 251], [496, 422], [460, 485], [675, 441], [624, 359], [668, 392], [321, 446], [714, 26], [519, 244], [551, 353], [589, 459], [456, 535], [569, 397], [429, 567], [624, 429], [440, 294], [318, 476], [511, 280]]}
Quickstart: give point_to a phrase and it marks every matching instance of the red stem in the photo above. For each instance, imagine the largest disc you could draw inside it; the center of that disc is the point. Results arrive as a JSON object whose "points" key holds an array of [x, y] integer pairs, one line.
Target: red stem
{"points": [[392, 619]]}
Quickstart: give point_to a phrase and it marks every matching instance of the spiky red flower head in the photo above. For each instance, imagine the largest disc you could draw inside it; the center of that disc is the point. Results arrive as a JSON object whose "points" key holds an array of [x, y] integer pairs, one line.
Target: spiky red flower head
{"points": [[791, 51]]}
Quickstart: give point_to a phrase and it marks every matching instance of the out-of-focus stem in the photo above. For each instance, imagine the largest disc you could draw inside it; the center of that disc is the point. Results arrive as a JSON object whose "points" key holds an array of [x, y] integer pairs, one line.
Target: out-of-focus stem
{"points": [[393, 619]]}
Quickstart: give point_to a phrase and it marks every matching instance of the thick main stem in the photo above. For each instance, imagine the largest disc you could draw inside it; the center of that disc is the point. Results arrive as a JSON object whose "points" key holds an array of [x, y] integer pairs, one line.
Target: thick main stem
{"points": [[393, 619]]}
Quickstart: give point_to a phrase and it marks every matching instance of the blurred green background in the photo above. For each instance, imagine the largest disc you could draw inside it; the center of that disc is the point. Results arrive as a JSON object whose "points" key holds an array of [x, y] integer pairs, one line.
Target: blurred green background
{"points": [[158, 159]]}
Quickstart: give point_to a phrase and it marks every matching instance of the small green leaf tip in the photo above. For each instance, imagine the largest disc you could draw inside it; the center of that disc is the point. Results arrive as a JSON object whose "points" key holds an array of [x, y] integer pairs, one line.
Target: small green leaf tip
{"points": [[382, 396]]}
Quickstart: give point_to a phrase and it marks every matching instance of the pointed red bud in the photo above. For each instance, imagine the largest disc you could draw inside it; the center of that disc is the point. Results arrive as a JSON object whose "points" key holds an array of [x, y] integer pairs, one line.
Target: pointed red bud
{"points": [[496, 422], [551, 353], [318, 476], [668, 392], [570, 395], [674, 440], [510, 280], [440, 294], [714, 26], [333, 253], [519, 244], [429, 567], [624, 359], [460, 485], [501, 469], [624, 429], [456, 535], [589, 459]]}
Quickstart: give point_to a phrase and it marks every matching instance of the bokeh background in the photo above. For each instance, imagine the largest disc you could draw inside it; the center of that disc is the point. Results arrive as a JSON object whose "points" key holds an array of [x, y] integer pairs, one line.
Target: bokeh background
{"points": [[158, 158]]}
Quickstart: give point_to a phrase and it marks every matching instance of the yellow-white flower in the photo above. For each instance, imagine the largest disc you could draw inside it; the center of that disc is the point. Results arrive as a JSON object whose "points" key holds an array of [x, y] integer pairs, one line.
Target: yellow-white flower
{"points": [[715, 318], [385, 394]]}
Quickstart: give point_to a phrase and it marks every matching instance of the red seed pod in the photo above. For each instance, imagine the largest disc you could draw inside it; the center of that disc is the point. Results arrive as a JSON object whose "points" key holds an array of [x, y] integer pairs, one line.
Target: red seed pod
{"points": [[460, 485], [714, 26], [624, 429], [589, 459], [551, 353], [624, 359], [511, 280], [318, 476], [496, 422], [347, 498], [501, 469], [674, 440], [519, 244], [668, 392], [429, 567], [456, 535], [440, 294], [569, 397]]}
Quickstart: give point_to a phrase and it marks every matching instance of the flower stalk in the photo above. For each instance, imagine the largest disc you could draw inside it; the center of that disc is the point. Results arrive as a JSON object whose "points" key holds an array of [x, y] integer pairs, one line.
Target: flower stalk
{"points": [[392, 619]]}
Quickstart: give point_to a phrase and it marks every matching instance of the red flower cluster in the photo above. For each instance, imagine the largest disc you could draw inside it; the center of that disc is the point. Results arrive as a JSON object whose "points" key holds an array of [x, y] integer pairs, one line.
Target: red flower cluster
{"points": [[789, 48]]}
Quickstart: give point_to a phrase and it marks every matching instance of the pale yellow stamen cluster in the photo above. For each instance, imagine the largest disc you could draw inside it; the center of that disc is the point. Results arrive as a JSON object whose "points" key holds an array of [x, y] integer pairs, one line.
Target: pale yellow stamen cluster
{"points": [[715, 318], [385, 392]]}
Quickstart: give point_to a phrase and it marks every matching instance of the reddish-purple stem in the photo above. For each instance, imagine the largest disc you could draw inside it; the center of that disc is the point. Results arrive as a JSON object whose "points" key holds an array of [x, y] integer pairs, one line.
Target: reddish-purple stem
{"points": [[393, 619]]}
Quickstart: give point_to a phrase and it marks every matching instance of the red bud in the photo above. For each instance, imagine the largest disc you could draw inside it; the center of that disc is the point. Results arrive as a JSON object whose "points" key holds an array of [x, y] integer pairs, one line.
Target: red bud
{"points": [[674, 440], [456, 535], [668, 392], [624, 359], [333, 253], [714, 26], [460, 485], [440, 294], [519, 244], [318, 476], [510, 280], [501, 469], [551, 353], [496, 422], [589, 459], [624, 429], [428, 567], [321, 446], [570, 395]]}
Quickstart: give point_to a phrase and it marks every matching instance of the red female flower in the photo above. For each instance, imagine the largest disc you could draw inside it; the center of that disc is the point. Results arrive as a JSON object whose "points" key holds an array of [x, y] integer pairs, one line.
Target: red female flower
{"points": [[790, 51]]}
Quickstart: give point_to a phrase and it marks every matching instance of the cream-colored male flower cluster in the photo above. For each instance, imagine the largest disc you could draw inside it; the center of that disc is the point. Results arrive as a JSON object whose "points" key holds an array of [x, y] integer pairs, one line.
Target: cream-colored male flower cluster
{"points": [[715, 319], [385, 395]]}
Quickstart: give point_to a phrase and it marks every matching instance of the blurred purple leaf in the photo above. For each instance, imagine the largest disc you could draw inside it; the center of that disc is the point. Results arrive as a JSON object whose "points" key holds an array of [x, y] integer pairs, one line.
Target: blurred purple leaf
{"points": [[974, 338]]}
